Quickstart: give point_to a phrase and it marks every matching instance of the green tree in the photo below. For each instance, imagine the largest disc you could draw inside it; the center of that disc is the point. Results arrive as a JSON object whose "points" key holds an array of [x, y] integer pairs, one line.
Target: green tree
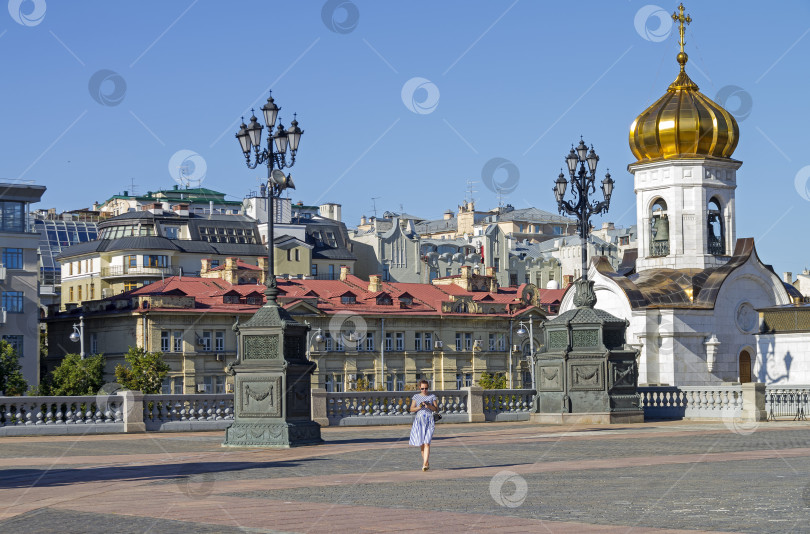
{"points": [[363, 384], [11, 377], [77, 376], [496, 381], [145, 372]]}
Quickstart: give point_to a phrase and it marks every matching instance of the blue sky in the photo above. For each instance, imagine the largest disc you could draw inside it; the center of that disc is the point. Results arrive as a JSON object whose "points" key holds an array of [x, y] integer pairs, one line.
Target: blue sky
{"points": [[517, 80]]}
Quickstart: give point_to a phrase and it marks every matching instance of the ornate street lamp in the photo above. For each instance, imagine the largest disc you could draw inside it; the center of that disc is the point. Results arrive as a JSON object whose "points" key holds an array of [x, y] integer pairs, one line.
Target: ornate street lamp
{"points": [[272, 373], [77, 336], [582, 184], [274, 155]]}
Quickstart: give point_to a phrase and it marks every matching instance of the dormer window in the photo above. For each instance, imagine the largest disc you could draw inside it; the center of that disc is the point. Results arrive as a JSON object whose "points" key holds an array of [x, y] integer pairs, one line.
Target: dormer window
{"points": [[384, 300], [348, 299], [407, 301]]}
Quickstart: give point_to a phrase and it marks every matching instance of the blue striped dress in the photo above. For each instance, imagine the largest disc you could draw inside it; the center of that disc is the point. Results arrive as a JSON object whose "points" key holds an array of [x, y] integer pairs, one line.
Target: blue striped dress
{"points": [[423, 425]]}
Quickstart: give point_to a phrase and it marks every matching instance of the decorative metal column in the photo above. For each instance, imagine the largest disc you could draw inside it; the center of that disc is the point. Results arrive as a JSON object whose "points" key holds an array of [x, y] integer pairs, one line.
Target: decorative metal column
{"points": [[585, 372], [582, 184], [272, 373]]}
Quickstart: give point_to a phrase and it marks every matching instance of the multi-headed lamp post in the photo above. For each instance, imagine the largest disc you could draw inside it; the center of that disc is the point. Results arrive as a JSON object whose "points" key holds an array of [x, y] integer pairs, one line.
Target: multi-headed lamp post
{"points": [[582, 183], [275, 157]]}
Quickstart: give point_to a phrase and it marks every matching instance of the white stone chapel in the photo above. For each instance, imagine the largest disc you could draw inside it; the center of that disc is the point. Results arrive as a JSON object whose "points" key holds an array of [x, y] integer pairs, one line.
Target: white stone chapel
{"points": [[692, 296]]}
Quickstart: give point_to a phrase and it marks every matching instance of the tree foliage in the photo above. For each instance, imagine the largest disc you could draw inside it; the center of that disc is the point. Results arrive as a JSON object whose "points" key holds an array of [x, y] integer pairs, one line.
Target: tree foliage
{"points": [[11, 377], [363, 384], [494, 381], [145, 372], [77, 376]]}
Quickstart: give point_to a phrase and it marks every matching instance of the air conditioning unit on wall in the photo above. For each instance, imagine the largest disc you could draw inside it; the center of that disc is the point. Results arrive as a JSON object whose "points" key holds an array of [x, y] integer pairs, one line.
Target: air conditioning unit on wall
{"points": [[200, 388], [438, 344], [228, 388]]}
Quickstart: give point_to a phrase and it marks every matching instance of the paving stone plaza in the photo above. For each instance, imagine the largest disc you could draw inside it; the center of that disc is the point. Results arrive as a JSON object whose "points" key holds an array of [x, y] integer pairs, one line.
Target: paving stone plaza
{"points": [[491, 477]]}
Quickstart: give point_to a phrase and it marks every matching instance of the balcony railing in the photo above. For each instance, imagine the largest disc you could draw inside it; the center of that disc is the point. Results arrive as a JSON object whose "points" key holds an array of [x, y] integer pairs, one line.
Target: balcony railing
{"points": [[717, 247], [121, 270], [659, 248]]}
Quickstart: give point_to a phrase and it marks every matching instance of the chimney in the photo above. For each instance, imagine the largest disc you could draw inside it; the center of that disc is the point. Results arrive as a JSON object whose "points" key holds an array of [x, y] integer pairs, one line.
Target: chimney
{"points": [[448, 215], [344, 273], [568, 279], [491, 271], [608, 226], [787, 277], [363, 219], [181, 208], [374, 283], [466, 272], [263, 265], [205, 266]]}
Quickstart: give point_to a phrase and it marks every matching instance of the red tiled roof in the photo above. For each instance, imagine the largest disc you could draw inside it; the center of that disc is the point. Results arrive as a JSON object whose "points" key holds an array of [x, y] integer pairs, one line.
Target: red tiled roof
{"points": [[326, 295], [551, 296], [207, 293]]}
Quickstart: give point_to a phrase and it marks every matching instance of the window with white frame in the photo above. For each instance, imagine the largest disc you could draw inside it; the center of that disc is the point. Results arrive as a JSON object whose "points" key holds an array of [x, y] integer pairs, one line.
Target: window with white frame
{"points": [[165, 337], [205, 341], [219, 341], [93, 343], [417, 341], [214, 384], [177, 341], [327, 342], [370, 347], [389, 341], [400, 339], [428, 341], [497, 342]]}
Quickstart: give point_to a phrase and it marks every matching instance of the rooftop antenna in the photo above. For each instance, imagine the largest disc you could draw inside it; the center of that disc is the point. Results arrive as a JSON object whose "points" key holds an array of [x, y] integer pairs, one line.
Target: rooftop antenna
{"points": [[374, 205], [132, 186], [469, 195]]}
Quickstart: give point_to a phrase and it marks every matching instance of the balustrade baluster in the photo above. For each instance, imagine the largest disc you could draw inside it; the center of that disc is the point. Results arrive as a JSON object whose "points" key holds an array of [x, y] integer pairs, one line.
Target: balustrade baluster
{"points": [[40, 410]]}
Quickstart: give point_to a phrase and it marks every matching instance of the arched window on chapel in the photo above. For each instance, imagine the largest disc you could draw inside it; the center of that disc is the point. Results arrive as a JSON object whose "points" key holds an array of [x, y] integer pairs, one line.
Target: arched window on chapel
{"points": [[715, 239], [659, 229]]}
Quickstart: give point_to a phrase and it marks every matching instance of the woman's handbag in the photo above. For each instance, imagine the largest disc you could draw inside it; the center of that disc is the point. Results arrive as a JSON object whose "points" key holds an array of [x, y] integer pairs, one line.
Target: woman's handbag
{"points": [[436, 417]]}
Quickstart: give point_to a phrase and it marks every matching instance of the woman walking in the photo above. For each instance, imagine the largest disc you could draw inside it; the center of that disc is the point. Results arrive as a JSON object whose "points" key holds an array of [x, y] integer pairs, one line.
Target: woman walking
{"points": [[422, 430]]}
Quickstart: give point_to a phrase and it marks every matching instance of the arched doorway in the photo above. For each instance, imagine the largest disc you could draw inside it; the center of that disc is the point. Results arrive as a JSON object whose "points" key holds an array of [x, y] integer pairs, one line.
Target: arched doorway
{"points": [[745, 366]]}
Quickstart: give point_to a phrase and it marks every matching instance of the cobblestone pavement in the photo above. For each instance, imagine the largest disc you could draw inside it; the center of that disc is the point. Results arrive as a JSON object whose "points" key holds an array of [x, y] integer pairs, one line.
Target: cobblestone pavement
{"points": [[493, 477]]}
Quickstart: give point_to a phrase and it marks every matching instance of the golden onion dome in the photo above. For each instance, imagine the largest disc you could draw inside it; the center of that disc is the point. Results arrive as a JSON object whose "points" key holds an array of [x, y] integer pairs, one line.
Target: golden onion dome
{"points": [[684, 122]]}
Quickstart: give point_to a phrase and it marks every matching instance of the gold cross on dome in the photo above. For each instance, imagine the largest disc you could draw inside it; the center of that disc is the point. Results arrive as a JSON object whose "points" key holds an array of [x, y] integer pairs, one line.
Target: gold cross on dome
{"points": [[681, 19]]}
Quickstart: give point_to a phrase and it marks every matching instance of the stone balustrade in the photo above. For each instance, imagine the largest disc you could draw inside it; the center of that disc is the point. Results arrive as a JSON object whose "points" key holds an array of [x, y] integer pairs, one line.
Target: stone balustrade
{"points": [[61, 415], [790, 402], [382, 407], [692, 402], [507, 404], [131, 411], [173, 413]]}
